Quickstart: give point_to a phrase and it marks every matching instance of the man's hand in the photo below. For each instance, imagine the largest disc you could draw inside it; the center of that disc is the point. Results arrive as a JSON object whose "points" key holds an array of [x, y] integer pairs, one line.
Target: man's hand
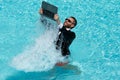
{"points": [[56, 18], [41, 11]]}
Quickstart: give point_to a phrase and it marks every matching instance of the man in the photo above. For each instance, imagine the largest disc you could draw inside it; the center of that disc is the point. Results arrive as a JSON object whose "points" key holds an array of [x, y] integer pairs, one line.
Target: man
{"points": [[65, 35]]}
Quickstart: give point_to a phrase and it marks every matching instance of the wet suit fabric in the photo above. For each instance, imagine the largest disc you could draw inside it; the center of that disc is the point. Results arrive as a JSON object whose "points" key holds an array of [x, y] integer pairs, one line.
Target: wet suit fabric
{"points": [[64, 40]]}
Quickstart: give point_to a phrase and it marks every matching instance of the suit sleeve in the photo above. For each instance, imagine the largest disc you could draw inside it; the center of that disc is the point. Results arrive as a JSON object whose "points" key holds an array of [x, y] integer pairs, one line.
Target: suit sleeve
{"points": [[67, 42]]}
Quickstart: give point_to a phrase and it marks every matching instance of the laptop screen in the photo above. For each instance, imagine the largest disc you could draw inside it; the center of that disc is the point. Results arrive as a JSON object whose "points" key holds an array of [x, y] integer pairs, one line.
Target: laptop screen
{"points": [[49, 10]]}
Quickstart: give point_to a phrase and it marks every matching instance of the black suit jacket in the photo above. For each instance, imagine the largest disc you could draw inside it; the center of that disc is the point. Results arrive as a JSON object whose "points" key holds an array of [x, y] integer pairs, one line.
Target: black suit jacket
{"points": [[64, 40]]}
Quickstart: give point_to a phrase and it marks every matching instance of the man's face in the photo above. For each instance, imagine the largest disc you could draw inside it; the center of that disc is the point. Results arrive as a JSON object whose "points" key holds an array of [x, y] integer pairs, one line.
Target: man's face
{"points": [[69, 23]]}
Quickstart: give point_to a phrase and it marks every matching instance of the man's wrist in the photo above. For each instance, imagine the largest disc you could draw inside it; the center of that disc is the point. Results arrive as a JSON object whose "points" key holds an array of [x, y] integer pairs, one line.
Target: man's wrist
{"points": [[58, 21]]}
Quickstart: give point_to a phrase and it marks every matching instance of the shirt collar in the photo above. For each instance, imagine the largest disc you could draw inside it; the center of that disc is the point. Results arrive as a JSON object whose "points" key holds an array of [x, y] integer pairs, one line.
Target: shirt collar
{"points": [[68, 29]]}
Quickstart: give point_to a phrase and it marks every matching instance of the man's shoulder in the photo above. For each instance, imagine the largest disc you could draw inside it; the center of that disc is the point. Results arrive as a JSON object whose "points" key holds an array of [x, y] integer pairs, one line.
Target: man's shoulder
{"points": [[72, 34]]}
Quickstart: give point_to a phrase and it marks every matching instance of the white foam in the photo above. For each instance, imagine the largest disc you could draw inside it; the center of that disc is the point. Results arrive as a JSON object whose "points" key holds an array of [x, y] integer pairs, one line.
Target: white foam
{"points": [[77, 64], [42, 56]]}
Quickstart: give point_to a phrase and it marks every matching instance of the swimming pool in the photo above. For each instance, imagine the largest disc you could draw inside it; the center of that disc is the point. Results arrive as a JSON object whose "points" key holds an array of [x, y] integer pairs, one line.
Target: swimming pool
{"points": [[96, 49]]}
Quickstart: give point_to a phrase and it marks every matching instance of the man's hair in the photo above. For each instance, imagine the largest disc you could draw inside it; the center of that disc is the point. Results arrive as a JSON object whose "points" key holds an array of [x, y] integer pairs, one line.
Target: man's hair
{"points": [[75, 20]]}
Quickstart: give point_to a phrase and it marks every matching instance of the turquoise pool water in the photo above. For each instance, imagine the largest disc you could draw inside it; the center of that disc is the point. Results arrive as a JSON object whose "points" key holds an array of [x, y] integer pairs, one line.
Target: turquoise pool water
{"points": [[96, 49]]}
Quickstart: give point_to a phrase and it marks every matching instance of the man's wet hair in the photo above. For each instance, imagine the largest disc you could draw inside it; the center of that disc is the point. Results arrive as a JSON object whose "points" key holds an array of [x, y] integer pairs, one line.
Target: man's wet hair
{"points": [[75, 20]]}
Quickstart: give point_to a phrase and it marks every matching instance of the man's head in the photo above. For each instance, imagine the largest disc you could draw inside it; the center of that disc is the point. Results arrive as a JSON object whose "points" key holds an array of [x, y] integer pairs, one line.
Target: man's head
{"points": [[70, 22]]}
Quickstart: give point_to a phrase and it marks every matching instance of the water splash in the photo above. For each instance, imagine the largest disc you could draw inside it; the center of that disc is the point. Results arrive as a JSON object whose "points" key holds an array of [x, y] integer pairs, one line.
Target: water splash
{"points": [[42, 56]]}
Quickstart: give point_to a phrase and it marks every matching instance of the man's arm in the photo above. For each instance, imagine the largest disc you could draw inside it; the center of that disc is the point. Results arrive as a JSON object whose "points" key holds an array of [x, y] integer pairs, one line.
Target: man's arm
{"points": [[66, 43], [56, 17]]}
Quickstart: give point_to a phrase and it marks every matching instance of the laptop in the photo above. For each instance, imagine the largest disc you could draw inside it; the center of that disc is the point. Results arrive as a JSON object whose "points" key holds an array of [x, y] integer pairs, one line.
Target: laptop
{"points": [[49, 10]]}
